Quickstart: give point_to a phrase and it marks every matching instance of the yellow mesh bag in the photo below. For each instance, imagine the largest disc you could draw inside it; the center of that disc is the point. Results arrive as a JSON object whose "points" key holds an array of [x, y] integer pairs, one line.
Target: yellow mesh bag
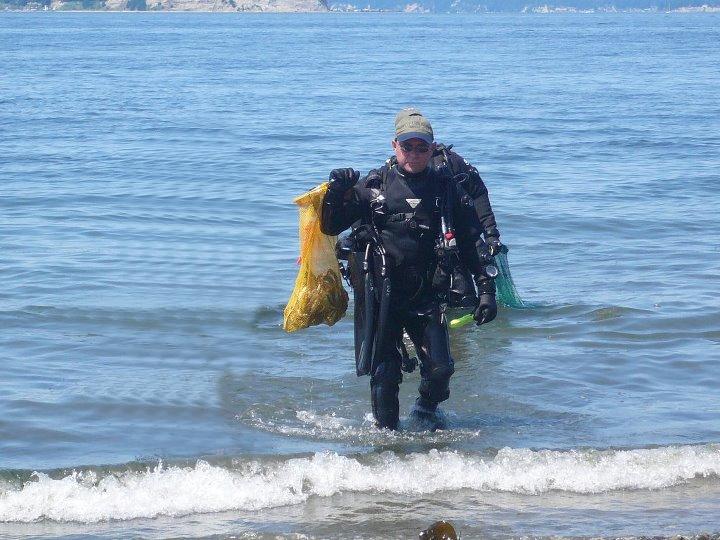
{"points": [[319, 296]]}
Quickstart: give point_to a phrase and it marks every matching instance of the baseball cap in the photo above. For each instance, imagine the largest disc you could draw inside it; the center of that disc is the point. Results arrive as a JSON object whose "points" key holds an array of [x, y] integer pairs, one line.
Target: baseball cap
{"points": [[411, 124]]}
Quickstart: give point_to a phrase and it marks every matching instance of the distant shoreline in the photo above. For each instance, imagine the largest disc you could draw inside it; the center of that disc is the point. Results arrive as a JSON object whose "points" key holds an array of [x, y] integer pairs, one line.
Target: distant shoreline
{"points": [[535, 11]]}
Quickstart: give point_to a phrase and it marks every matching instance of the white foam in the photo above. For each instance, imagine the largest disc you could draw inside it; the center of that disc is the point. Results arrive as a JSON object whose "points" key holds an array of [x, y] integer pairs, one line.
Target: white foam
{"points": [[324, 421], [82, 497], [331, 427]]}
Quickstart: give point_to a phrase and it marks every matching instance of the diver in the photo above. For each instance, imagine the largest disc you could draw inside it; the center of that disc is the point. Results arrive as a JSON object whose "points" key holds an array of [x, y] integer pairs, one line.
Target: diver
{"points": [[423, 239]]}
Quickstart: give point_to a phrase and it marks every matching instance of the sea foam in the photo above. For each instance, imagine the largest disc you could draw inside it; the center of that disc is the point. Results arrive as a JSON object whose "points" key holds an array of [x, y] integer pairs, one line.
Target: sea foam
{"points": [[83, 496]]}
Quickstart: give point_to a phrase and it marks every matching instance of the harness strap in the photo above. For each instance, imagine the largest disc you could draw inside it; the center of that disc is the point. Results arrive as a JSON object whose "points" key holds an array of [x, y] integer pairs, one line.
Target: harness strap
{"points": [[400, 217]]}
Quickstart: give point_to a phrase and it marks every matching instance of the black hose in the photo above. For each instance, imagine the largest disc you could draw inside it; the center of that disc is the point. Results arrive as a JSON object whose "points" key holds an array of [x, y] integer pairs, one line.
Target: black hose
{"points": [[364, 360], [379, 347]]}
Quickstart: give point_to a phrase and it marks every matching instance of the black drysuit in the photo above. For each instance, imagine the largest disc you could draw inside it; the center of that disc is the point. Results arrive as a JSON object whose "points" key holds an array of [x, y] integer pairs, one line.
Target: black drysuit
{"points": [[405, 208]]}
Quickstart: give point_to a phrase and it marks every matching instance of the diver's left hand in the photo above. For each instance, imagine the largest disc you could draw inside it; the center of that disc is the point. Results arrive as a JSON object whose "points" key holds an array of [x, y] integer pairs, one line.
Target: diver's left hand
{"points": [[496, 247], [486, 309]]}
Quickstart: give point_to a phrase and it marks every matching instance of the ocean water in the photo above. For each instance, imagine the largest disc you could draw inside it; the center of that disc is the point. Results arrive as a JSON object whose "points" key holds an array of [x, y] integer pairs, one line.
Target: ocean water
{"points": [[148, 242]]}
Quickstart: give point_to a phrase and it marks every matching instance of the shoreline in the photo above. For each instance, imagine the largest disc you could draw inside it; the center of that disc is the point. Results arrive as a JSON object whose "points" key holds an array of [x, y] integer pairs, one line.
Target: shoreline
{"points": [[560, 11]]}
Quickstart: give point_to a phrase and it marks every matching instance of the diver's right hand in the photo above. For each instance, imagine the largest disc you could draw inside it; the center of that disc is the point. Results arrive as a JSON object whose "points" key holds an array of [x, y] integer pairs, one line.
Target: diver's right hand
{"points": [[343, 179]]}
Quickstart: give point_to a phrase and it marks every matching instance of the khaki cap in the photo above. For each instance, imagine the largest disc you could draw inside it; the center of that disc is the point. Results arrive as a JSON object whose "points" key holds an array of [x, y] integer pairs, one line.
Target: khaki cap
{"points": [[411, 124]]}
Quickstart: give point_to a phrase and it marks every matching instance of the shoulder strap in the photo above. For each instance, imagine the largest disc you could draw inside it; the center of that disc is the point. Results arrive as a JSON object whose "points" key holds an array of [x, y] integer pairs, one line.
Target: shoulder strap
{"points": [[442, 156], [377, 178], [385, 170]]}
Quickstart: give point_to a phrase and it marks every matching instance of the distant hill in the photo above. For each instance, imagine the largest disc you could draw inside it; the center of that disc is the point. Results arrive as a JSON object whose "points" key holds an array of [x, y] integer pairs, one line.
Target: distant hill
{"points": [[170, 5], [510, 6]]}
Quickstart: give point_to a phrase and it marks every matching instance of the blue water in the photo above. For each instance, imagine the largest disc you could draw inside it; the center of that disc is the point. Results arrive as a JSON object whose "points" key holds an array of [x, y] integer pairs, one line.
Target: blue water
{"points": [[148, 242]]}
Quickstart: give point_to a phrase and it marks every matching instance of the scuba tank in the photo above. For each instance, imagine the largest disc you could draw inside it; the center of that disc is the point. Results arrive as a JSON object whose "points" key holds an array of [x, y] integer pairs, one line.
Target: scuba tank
{"points": [[364, 359], [375, 286], [452, 279]]}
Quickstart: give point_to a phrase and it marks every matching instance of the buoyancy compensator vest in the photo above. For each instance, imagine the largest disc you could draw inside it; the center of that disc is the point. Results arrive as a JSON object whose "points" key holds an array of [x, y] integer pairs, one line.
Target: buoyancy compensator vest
{"points": [[386, 241]]}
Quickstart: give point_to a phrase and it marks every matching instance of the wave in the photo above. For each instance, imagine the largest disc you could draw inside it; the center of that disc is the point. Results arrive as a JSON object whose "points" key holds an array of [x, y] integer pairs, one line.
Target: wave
{"points": [[313, 425], [89, 496]]}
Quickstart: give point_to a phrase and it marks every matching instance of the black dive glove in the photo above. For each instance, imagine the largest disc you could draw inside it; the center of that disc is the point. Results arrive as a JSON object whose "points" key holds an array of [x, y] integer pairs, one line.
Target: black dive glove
{"points": [[343, 179], [486, 309], [495, 247]]}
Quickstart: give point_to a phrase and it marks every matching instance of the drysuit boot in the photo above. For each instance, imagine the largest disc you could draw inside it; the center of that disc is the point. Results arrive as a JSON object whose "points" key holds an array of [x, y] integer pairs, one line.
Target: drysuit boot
{"points": [[385, 404], [425, 415], [424, 406]]}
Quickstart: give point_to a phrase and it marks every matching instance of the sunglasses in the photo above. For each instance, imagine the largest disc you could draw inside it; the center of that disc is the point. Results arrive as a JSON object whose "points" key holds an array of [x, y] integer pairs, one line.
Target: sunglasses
{"points": [[419, 149]]}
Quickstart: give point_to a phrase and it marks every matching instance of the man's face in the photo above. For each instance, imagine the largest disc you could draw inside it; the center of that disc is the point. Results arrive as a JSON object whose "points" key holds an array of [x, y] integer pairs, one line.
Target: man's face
{"points": [[413, 155]]}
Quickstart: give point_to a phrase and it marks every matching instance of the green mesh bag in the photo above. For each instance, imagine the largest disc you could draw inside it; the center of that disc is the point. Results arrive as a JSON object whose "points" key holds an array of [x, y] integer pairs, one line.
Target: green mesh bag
{"points": [[507, 294]]}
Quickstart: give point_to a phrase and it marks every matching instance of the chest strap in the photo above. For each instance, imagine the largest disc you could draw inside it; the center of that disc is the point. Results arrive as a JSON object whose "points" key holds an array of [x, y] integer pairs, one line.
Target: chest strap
{"points": [[400, 217]]}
